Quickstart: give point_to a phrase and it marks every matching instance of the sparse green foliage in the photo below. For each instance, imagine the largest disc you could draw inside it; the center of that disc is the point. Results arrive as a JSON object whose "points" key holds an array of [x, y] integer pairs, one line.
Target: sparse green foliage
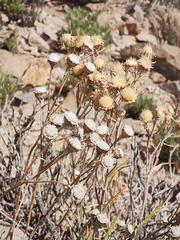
{"points": [[12, 8], [144, 101], [10, 42], [8, 85], [82, 22], [172, 141]]}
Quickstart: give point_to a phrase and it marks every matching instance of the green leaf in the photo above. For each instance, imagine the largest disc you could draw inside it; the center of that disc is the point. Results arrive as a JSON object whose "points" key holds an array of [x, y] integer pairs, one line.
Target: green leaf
{"points": [[113, 173], [111, 228]]}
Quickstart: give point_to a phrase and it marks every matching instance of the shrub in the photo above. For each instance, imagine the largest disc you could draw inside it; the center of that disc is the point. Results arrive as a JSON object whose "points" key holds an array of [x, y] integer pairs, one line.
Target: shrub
{"points": [[81, 22], [12, 8], [8, 85], [10, 42]]}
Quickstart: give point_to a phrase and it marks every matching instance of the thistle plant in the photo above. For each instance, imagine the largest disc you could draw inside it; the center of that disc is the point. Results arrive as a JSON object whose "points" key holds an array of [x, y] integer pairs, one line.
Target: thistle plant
{"points": [[91, 186]]}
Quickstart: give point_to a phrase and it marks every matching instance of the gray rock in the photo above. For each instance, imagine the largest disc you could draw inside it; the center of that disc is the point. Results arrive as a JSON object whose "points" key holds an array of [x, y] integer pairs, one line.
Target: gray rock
{"points": [[146, 37], [35, 40]]}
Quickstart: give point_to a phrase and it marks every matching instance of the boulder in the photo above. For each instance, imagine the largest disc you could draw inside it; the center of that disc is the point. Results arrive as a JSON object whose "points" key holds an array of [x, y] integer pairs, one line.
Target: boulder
{"points": [[37, 73], [157, 77], [14, 64]]}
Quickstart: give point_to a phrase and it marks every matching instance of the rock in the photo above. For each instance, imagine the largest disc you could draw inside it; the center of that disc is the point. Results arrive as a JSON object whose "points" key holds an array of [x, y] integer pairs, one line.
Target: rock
{"points": [[121, 42], [14, 64], [55, 23], [43, 28], [21, 97], [58, 73], [23, 32], [4, 18], [157, 77], [35, 40], [139, 13], [146, 37], [37, 73], [159, 95], [21, 43], [172, 87], [167, 60]]}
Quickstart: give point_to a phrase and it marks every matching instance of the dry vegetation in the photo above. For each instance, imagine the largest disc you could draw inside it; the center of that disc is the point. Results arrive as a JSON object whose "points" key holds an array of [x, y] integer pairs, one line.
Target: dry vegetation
{"points": [[84, 174]]}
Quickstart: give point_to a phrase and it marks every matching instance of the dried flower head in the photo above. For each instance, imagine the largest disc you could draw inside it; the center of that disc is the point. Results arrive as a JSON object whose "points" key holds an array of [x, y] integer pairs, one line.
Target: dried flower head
{"points": [[118, 81], [79, 41], [108, 161], [94, 138], [40, 92], [87, 47], [57, 119], [162, 109], [175, 231], [130, 64], [102, 130], [97, 94], [89, 68], [99, 63], [118, 153], [53, 58], [71, 118], [146, 115], [98, 42], [72, 60], [127, 131], [74, 144], [162, 112], [78, 70], [102, 218], [118, 69], [68, 40], [89, 125], [50, 131], [106, 102], [95, 77], [79, 192], [147, 51], [144, 64], [129, 94], [102, 146]]}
